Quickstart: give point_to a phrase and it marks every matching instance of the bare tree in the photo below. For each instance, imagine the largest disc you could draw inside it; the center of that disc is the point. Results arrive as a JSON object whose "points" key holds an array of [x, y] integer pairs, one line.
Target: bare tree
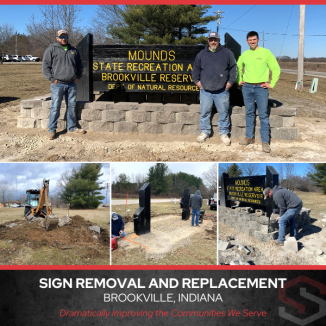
{"points": [[53, 18], [106, 15], [210, 177], [6, 190], [250, 169], [7, 31]]}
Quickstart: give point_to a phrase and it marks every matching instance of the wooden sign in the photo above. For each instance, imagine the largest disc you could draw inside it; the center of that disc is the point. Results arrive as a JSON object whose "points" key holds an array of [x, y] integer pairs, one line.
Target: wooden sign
{"points": [[144, 68]]}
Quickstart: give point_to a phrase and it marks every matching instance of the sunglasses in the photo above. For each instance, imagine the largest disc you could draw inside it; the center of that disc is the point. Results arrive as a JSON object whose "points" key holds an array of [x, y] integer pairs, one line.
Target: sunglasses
{"points": [[63, 37]]}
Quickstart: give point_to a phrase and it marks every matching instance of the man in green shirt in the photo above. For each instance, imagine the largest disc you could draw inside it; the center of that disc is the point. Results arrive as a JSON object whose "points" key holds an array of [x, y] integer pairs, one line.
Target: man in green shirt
{"points": [[253, 75]]}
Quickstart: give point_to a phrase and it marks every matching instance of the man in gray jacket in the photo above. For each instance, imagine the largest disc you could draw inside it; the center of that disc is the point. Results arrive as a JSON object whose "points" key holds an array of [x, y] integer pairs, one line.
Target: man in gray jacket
{"points": [[214, 72], [63, 67], [289, 205], [196, 202]]}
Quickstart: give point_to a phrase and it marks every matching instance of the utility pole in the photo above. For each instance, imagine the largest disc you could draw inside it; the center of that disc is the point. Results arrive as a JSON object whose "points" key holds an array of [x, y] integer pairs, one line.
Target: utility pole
{"points": [[16, 43], [218, 17], [107, 190], [263, 39], [301, 48]]}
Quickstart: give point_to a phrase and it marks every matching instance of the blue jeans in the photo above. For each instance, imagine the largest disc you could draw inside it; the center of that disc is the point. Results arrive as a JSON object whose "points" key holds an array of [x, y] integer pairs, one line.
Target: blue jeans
{"points": [[57, 92], [221, 100], [195, 212], [252, 93], [290, 216], [121, 236]]}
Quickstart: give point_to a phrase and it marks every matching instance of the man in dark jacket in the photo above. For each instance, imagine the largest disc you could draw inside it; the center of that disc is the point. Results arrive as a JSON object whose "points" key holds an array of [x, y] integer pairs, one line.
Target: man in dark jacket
{"points": [[214, 72], [196, 202], [63, 67], [289, 205], [117, 225]]}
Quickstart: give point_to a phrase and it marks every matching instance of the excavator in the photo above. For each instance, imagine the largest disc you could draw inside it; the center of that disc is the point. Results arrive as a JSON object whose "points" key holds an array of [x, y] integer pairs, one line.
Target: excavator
{"points": [[38, 205]]}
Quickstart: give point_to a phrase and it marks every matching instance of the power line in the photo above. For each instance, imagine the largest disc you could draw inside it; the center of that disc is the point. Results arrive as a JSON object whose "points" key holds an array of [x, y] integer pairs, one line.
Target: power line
{"points": [[241, 16], [240, 30], [286, 30]]}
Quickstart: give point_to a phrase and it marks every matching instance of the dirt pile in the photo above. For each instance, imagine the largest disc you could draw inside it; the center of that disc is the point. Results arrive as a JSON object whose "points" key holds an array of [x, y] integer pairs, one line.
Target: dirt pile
{"points": [[30, 234]]}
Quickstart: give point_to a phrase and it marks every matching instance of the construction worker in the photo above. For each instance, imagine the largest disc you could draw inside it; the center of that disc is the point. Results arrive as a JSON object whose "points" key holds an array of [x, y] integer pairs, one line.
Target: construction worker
{"points": [[289, 205], [117, 225], [214, 72], [256, 63], [62, 65], [196, 202]]}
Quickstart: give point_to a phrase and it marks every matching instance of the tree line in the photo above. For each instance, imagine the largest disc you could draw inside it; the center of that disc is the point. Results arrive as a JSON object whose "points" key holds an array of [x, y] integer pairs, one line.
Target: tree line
{"points": [[314, 179], [165, 183], [112, 24]]}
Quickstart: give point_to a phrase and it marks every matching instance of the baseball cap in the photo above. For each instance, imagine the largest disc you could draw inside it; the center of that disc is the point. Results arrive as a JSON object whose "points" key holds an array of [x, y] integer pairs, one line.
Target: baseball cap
{"points": [[62, 31], [114, 216], [213, 34], [266, 192]]}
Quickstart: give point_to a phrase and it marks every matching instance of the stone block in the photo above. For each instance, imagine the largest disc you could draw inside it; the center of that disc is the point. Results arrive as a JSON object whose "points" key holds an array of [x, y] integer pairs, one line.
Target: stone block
{"points": [[47, 104], [151, 107], [40, 113], [237, 110], [101, 126], [150, 127], [26, 123], [126, 106], [248, 231], [163, 117], [263, 228], [187, 118], [138, 116], [25, 113], [215, 119], [100, 105], [291, 244], [275, 121], [238, 120], [194, 108], [245, 216], [256, 226], [124, 126], [222, 245], [288, 122], [238, 132], [44, 123], [173, 128], [91, 115], [234, 219], [31, 103], [61, 124], [285, 111], [176, 107], [262, 220], [113, 115], [266, 237], [83, 124], [285, 133], [192, 130]]}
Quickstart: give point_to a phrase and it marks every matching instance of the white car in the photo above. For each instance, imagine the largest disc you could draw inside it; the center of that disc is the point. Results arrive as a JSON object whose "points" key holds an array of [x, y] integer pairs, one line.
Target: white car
{"points": [[17, 58], [15, 205], [29, 57]]}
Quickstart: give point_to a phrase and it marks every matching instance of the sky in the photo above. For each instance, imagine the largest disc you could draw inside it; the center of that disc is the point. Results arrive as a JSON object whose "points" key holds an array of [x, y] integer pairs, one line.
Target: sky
{"points": [[195, 169], [31, 175], [300, 169], [273, 20]]}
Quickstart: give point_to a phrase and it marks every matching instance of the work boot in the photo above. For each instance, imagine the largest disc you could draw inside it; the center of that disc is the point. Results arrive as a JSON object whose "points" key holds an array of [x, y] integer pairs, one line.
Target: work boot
{"points": [[51, 135], [266, 148], [247, 141], [202, 137], [226, 140], [78, 131], [277, 243]]}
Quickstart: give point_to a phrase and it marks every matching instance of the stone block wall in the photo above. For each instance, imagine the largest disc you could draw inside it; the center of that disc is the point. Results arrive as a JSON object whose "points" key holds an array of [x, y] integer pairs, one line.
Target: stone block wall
{"points": [[150, 118], [255, 224]]}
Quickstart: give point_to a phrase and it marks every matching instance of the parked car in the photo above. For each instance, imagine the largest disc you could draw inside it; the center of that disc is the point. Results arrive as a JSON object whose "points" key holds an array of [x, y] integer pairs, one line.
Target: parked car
{"points": [[17, 58], [212, 201], [29, 57], [15, 205], [7, 58]]}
